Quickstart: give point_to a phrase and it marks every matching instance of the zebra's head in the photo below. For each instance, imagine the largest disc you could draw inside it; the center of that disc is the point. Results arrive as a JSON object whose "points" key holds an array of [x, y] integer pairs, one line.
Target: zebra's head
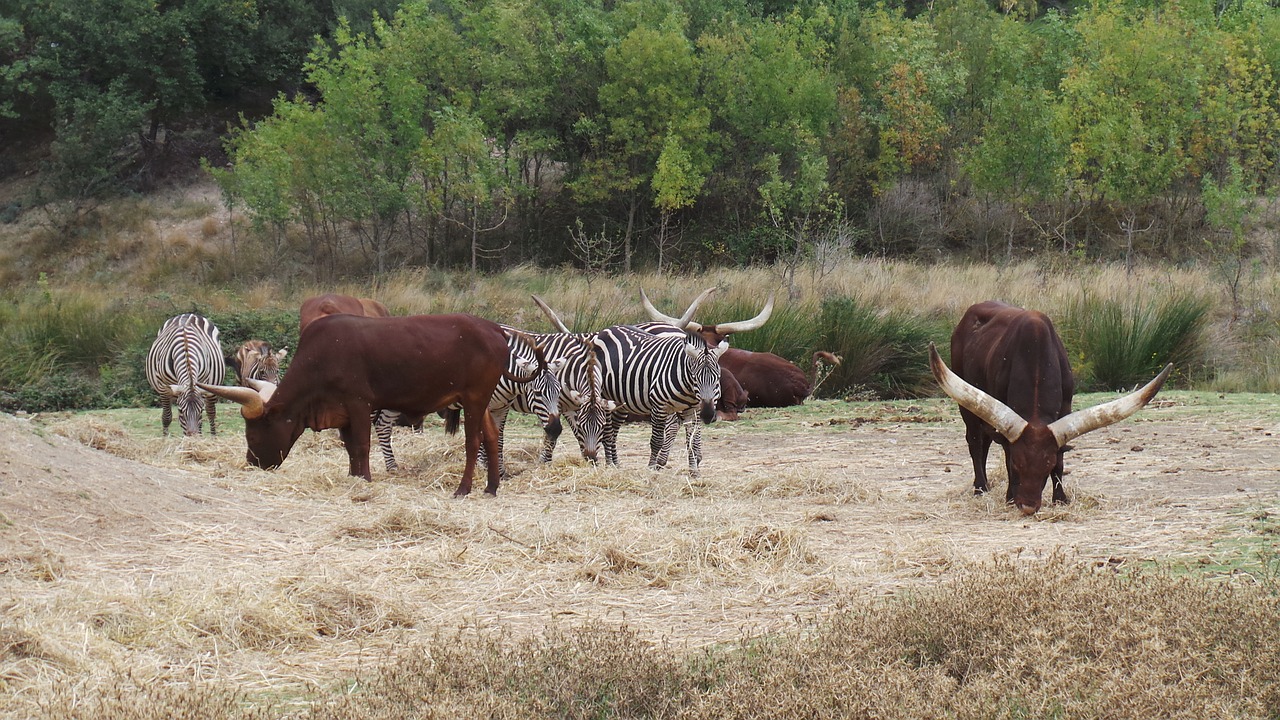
{"points": [[702, 362], [254, 359], [590, 410], [544, 394], [191, 404]]}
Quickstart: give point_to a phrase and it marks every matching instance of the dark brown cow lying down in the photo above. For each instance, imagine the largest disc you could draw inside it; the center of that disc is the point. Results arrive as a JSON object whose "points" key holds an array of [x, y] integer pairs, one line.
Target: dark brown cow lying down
{"points": [[347, 365], [1014, 384], [771, 380], [332, 304]]}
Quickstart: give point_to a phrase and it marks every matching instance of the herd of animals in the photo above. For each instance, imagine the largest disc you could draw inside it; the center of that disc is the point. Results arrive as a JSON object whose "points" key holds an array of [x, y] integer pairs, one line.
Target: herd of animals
{"points": [[358, 369]]}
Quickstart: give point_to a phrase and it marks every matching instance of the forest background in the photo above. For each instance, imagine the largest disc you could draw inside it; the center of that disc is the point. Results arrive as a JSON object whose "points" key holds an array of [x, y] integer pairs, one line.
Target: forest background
{"points": [[353, 141]]}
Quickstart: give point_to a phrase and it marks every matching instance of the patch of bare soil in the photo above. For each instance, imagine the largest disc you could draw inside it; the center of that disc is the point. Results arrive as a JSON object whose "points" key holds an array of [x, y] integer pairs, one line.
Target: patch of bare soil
{"points": [[170, 558]]}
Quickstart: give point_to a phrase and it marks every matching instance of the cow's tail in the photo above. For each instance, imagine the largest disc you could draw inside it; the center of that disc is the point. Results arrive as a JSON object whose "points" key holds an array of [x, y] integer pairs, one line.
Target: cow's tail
{"points": [[452, 419], [824, 363], [537, 353]]}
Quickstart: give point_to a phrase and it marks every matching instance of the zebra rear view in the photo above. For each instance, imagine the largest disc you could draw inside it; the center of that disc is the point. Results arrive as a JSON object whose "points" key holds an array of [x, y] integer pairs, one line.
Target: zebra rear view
{"points": [[186, 351]]}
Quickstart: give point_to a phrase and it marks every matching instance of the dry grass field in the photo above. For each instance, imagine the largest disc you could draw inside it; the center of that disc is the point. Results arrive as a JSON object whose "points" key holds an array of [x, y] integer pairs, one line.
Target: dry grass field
{"points": [[132, 560]]}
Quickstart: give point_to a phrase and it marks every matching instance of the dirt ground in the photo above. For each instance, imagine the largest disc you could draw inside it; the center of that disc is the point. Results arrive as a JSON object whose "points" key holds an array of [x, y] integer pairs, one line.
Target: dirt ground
{"points": [[120, 549]]}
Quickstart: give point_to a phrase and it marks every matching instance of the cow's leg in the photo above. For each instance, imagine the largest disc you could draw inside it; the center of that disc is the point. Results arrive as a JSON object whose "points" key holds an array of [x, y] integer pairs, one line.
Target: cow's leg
{"points": [[499, 422], [1059, 492], [355, 437], [384, 423], [979, 446], [660, 438], [1011, 490], [473, 424], [166, 413], [491, 438]]}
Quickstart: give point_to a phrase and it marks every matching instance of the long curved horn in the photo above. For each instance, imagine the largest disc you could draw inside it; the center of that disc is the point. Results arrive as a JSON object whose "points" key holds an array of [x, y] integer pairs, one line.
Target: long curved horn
{"points": [[686, 321], [745, 325], [555, 319], [1080, 422], [250, 400], [265, 388], [995, 413]]}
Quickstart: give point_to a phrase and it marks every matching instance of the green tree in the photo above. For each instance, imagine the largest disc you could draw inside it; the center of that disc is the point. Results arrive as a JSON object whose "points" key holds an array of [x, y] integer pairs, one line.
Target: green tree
{"points": [[649, 103]]}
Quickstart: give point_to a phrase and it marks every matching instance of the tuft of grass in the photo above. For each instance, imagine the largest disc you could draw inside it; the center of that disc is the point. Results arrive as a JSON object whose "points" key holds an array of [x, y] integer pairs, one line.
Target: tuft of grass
{"points": [[881, 350], [1117, 344]]}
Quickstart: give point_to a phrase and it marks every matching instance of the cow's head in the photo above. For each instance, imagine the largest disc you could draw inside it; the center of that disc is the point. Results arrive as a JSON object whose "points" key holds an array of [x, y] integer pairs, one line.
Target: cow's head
{"points": [[705, 345], [269, 432], [1032, 447]]}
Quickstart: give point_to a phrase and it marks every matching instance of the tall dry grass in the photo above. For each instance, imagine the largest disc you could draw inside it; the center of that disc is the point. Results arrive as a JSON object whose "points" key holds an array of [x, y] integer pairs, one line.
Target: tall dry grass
{"points": [[1003, 639]]}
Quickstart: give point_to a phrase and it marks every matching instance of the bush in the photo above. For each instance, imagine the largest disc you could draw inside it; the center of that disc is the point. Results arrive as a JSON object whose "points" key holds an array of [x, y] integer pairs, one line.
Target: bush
{"points": [[1119, 344], [883, 351]]}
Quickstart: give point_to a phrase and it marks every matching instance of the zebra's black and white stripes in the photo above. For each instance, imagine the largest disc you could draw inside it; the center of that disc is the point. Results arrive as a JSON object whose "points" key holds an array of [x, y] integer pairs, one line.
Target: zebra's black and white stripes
{"points": [[186, 351], [664, 376]]}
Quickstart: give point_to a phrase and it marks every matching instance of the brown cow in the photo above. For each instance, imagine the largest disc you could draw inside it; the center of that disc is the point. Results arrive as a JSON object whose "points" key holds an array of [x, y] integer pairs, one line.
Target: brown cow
{"points": [[1014, 385], [345, 366], [733, 399], [771, 380], [332, 303]]}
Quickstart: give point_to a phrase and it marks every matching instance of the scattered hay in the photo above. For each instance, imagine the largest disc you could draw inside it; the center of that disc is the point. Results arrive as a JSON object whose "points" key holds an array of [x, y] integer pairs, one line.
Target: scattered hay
{"points": [[42, 565], [335, 610], [410, 524], [821, 485]]}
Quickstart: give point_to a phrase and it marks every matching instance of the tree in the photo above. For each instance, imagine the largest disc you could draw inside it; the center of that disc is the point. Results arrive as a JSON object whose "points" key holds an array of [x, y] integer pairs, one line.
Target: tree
{"points": [[649, 104]]}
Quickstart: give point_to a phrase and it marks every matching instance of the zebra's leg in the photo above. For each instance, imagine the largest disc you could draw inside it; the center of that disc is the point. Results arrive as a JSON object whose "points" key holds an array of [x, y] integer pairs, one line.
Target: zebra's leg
{"points": [[166, 413], [610, 439], [661, 435], [693, 439], [212, 406], [384, 422]]}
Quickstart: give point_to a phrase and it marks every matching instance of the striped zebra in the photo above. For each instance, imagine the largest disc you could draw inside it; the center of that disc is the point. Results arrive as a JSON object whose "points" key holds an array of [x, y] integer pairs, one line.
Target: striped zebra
{"points": [[254, 359], [186, 351], [669, 370], [539, 397], [582, 401]]}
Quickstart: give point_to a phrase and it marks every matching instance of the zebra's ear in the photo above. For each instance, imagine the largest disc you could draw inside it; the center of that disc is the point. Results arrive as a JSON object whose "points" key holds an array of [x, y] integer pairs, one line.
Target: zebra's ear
{"points": [[576, 397], [281, 353], [555, 365], [524, 366]]}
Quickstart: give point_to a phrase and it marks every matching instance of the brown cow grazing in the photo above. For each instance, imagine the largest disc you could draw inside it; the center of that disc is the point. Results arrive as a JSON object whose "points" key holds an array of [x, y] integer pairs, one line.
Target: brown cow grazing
{"points": [[1014, 385], [773, 381], [346, 366], [254, 359], [332, 304]]}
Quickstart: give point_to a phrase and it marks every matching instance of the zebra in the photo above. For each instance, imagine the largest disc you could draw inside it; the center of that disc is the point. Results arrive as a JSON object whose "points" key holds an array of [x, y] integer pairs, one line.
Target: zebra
{"points": [[186, 351], [254, 359], [539, 396], [582, 402], [669, 370]]}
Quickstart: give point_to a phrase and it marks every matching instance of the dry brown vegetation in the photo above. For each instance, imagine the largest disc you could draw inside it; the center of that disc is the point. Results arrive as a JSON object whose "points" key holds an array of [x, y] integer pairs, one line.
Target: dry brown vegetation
{"points": [[831, 561]]}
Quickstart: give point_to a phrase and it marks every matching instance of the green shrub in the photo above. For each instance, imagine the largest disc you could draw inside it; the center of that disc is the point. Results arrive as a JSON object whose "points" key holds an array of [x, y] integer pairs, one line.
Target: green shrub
{"points": [[882, 351], [1116, 345]]}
